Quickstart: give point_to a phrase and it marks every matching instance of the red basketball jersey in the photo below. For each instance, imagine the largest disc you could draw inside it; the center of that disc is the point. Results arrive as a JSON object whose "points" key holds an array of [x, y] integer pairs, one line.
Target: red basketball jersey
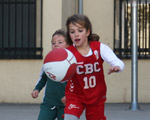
{"points": [[88, 84]]}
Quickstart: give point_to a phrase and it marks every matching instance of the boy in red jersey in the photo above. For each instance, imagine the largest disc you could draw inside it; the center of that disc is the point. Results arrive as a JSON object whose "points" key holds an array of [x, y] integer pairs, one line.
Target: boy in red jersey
{"points": [[87, 88]]}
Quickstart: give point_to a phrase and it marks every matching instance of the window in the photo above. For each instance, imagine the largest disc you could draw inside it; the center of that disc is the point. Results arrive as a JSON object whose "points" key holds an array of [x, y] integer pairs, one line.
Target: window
{"points": [[20, 29], [122, 28]]}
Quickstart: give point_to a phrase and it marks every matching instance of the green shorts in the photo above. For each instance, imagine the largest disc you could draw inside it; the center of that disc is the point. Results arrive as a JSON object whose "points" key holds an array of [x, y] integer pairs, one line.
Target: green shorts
{"points": [[51, 113]]}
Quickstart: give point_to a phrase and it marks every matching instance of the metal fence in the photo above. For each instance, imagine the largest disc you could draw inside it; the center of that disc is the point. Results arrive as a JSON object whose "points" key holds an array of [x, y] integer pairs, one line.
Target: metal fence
{"points": [[18, 29], [122, 28]]}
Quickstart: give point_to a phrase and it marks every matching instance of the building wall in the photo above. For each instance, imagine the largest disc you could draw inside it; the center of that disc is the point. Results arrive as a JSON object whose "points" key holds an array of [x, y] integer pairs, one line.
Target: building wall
{"points": [[18, 77]]}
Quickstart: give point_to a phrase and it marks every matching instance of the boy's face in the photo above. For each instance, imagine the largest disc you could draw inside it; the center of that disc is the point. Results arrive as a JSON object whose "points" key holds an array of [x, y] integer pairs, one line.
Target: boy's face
{"points": [[58, 41]]}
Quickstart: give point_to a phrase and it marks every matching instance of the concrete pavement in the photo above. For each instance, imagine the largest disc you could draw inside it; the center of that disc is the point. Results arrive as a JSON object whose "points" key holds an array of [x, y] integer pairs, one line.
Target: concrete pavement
{"points": [[112, 111]]}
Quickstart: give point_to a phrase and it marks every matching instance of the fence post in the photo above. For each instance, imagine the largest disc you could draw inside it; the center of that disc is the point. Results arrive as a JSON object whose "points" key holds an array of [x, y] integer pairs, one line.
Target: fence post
{"points": [[80, 6], [134, 104]]}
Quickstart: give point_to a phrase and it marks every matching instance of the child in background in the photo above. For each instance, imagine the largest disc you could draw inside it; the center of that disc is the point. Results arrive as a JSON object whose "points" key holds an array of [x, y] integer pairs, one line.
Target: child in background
{"points": [[53, 102], [87, 88]]}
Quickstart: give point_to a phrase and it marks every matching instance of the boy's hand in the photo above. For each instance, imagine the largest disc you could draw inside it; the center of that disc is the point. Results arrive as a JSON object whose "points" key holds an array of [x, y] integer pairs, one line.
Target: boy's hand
{"points": [[63, 100], [35, 94]]}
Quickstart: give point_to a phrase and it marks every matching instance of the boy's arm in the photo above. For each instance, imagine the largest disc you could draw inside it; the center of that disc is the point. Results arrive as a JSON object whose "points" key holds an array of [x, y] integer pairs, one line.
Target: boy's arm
{"points": [[42, 81]]}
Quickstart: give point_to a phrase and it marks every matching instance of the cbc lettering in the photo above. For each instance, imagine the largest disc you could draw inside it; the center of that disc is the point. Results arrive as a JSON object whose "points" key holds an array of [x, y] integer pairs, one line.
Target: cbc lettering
{"points": [[88, 68]]}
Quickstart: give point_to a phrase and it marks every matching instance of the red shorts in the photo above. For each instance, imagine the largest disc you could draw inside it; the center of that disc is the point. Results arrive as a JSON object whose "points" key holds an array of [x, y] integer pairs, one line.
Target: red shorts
{"points": [[93, 112]]}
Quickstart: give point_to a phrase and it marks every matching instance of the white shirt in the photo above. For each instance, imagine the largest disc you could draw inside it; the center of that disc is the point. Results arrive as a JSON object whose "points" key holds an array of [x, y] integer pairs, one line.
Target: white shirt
{"points": [[109, 56]]}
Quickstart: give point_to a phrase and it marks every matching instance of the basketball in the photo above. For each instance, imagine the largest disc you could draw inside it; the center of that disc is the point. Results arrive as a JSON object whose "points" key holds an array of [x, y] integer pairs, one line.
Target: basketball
{"points": [[60, 64]]}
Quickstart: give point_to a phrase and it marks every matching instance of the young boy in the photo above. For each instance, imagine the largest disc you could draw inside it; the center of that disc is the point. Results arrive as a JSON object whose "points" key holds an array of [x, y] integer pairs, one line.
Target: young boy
{"points": [[52, 106]]}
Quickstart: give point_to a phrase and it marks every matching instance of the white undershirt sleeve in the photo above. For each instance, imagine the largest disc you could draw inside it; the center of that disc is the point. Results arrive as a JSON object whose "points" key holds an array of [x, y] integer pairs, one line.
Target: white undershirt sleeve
{"points": [[109, 56]]}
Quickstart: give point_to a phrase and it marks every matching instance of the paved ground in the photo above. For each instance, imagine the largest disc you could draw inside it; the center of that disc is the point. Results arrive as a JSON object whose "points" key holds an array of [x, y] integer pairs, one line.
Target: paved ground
{"points": [[113, 112]]}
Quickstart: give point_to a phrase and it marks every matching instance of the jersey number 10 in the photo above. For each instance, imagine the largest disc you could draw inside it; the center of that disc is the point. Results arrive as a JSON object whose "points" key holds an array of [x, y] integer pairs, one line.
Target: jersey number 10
{"points": [[89, 82]]}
